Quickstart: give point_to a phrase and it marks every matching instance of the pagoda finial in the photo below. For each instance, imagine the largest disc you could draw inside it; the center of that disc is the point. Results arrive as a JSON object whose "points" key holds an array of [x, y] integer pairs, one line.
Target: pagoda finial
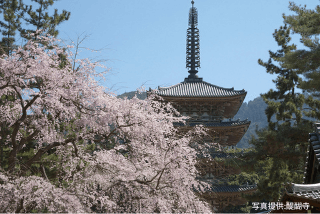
{"points": [[193, 46]]}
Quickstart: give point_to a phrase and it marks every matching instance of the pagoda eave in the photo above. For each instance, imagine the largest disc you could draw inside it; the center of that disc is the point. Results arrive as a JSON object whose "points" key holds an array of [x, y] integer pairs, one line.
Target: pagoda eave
{"points": [[214, 169], [225, 133], [220, 200], [203, 98], [230, 135], [229, 106], [233, 192]]}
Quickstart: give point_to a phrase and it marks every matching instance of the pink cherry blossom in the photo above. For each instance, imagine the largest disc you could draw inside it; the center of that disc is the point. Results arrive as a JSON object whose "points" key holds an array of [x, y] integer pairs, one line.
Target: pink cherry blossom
{"points": [[150, 169]]}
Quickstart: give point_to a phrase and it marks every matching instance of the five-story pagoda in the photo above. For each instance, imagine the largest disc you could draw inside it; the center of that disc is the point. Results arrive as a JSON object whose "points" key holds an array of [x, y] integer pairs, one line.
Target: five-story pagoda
{"points": [[209, 105]]}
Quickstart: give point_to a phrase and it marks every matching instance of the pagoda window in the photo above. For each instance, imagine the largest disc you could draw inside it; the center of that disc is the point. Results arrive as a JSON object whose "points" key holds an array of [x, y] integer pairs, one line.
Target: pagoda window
{"points": [[216, 118], [205, 116]]}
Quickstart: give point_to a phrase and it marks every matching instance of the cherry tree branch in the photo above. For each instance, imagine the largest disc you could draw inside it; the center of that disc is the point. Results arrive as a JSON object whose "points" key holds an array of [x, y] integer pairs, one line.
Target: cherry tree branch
{"points": [[5, 86], [41, 151], [20, 206]]}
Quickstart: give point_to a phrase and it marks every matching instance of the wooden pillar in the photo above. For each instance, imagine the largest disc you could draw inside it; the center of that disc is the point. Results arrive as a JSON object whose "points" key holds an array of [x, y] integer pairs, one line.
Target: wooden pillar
{"points": [[312, 170]]}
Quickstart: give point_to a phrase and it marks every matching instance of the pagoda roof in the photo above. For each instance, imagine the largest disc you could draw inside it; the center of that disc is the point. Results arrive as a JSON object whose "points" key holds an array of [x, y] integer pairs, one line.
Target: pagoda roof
{"points": [[309, 192], [316, 148], [216, 124], [233, 188], [304, 190], [304, 193], [312, 153], [229, 188], [217, 154], [222, 155], [198, 89], [234, 126]]}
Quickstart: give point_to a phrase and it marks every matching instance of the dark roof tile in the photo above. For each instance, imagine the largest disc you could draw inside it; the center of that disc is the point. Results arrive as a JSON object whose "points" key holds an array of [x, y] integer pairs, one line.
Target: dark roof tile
{"points": [[217, 154], [215, 124], [198, 89], [230, 188], [299, 188]]}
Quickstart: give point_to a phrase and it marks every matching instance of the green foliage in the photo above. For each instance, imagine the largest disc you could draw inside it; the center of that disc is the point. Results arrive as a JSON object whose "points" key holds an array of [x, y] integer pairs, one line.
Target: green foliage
{"points": [[11, 22], [40, 18], [278, 152], [243, 178], [286, 82], [306, 61], [272, 162], [44, 210]]}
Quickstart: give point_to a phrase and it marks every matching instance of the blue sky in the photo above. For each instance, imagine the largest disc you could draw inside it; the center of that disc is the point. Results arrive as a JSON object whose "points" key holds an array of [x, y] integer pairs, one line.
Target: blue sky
{"points": [[144, 41]]}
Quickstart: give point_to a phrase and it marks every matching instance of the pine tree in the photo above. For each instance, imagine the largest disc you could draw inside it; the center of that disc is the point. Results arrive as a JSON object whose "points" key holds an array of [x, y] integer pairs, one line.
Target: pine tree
{"points": [[306, 23], [11, 10], [278, 154], [41, 20]]}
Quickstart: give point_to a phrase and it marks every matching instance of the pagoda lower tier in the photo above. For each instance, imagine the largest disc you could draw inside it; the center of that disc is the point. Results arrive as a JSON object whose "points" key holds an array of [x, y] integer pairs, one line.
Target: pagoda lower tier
{"points": [[219, 197], [213, 175], [213, 168], [225, 133]]}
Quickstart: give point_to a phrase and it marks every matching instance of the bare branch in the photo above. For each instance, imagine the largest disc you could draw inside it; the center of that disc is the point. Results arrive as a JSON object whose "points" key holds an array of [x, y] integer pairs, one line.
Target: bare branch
{"points": [[158, 182]]}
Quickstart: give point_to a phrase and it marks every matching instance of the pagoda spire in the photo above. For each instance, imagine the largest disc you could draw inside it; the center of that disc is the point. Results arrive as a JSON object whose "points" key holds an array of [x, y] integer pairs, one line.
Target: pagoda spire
{"points": [[193, 46]]}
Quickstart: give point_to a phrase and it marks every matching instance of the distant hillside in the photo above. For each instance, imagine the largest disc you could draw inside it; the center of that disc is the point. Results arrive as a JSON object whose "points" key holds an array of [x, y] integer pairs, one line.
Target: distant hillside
{"points": [[131, 94], [253, 110]]}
